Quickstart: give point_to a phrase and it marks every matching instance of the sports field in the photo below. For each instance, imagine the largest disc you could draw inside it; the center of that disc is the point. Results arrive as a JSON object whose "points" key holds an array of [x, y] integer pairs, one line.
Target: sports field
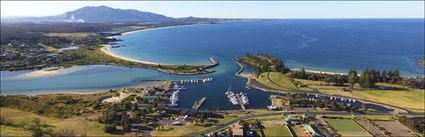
{"points": [[347, 127], [276, 131]]}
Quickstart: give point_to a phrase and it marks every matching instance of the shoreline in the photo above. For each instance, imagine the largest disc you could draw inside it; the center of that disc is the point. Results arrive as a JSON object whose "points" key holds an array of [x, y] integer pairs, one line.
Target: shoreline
{"points": [[107, 47], [107, 50], [87, 90], [45, 72], [271, 90], [154, 28], [323, 72]]}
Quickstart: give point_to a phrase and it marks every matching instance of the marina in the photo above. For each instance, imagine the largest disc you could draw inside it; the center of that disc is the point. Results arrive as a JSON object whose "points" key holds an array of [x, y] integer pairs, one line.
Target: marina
{"points": [[174, 98], [237, 98], [105, 77]]}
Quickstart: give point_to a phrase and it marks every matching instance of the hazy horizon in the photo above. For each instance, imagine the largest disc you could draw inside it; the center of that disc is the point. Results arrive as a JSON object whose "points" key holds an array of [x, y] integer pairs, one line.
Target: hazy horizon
{"points": [[231, 9]]}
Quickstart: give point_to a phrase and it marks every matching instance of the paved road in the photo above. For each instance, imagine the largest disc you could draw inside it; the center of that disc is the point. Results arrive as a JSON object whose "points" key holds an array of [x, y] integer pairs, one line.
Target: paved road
{"points": [[222, 125]]}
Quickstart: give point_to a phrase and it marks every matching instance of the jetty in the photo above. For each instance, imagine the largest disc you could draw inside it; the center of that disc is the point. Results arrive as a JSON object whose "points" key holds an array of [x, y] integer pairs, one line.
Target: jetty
{"points": [[204, 80], [199, 103], [240, 102], [213, 64], [241, 67]]}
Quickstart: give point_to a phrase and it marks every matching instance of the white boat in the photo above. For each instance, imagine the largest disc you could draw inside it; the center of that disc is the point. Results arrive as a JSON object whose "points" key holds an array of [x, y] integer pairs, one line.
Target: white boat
{"points": [[234, 99], [174, 98], [244, 98]]}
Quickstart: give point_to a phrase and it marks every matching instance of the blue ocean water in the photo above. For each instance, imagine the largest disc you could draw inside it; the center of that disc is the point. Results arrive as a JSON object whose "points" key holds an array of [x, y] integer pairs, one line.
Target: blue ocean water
{"points": [[325, 45]]}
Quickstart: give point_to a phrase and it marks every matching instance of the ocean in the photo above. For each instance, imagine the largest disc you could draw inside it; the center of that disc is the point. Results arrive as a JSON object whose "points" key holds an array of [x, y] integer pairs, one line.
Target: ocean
{"points": [[316, 44]]}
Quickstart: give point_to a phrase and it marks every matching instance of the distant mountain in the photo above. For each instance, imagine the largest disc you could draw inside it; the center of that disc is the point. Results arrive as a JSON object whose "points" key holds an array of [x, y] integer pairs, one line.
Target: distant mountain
{"points": [[104, 14], [108, 14]]}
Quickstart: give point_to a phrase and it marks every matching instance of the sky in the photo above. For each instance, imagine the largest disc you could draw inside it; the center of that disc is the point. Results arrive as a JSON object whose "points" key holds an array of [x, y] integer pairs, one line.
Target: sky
{"points": [[232, 9]]}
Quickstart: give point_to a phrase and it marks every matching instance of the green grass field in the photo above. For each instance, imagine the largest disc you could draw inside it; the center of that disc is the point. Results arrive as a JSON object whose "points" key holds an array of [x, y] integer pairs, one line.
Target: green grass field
{"points": [[410, 99], [347, 127], [12, 131], [379, 118], [277, 131], [280, 81]]}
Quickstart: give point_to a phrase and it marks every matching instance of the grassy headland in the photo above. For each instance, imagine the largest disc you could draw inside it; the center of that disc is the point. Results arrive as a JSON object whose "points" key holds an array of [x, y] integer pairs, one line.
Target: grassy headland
{"points": [[276, 80], [386, 87], [412, 99]]}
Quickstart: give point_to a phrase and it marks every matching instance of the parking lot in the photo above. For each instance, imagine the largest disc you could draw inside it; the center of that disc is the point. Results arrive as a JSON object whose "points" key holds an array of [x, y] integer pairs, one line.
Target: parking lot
{"points": [[395, 128]]}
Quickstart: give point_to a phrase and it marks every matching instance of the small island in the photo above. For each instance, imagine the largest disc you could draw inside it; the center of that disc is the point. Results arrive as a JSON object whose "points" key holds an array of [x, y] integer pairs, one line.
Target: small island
{"points": [[422, 62]]}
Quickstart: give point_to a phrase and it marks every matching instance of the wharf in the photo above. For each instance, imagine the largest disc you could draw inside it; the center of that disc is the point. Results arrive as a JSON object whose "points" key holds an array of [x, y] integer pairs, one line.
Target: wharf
{"points": [[195, 80], [199, 103], [240, 102]]}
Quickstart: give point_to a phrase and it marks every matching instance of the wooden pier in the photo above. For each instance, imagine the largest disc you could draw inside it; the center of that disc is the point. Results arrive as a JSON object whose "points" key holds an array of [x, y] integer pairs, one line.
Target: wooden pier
{"points": [[204, 80], [240, 102], [199, 103]]}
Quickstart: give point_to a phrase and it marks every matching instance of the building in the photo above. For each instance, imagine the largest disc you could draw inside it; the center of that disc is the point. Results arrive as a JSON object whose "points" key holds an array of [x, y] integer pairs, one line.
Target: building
{"points": [[312, 131], [292, 120], [236, 130]]}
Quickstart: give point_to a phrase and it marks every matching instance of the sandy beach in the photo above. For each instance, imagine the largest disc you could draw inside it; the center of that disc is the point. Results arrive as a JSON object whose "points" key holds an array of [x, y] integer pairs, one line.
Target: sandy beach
{"points": [[146, 29], [106, 49], [323, 72], [43, 73], [50, 72]]}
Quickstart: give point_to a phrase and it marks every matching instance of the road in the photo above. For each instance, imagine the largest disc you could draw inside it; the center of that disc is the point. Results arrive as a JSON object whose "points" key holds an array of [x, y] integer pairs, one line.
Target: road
{"points": [[362, 100], [223, 125]]}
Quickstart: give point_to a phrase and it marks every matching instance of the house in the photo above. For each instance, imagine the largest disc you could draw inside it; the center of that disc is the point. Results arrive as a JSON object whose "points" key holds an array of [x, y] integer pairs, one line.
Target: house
{"points": [[307, 117], [236, 130], [292, 120]]}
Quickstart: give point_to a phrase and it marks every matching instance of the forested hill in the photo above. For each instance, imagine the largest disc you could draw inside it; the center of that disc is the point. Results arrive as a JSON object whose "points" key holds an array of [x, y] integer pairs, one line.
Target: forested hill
{"points": [[104, 14]]}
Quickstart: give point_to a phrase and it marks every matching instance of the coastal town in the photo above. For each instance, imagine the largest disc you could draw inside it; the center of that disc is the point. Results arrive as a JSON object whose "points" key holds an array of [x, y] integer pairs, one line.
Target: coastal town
{"points": [[155, 111], [70, 79]]}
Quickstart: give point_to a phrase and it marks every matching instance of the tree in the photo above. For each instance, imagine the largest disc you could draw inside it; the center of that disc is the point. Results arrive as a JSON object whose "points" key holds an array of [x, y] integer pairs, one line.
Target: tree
{"points": [[258, 72], [395, 76], [109, 128], [352, 78], [396, 73], [390, 74], [384, 76], [364, 80], [302, 73], [378, 76], [125, 122], [36, 128], [372, 77]]}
